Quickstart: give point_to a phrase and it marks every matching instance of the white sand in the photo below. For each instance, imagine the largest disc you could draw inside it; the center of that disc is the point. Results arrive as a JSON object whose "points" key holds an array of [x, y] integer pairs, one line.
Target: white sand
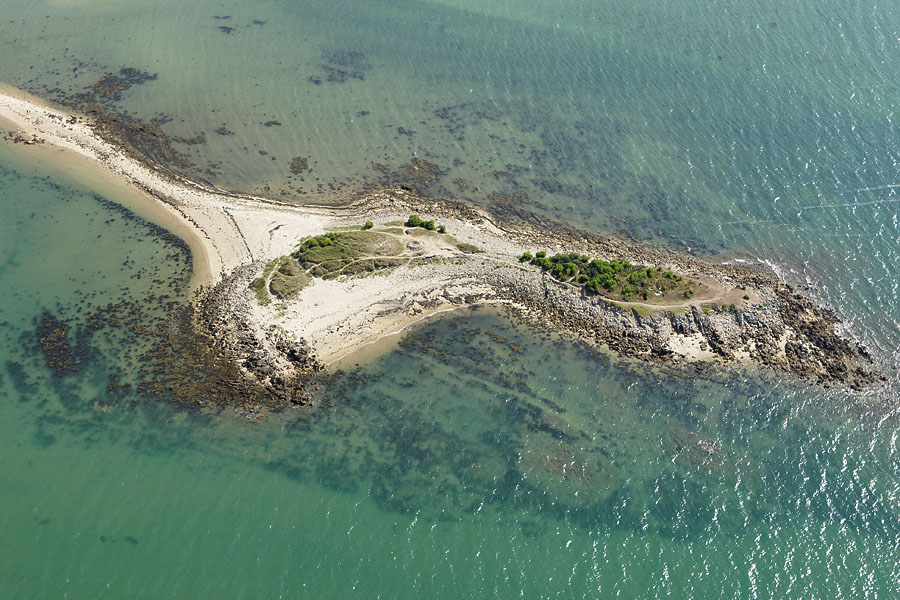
{"points": [[228, 230]]}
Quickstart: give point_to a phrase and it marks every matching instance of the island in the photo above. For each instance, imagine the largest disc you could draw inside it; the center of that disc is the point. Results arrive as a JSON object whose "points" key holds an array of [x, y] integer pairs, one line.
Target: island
{"points": [[285, 290]]}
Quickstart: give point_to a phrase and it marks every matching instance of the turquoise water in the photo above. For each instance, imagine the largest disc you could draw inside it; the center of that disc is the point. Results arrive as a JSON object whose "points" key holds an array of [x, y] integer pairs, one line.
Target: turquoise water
{"points": [[482, 458]]}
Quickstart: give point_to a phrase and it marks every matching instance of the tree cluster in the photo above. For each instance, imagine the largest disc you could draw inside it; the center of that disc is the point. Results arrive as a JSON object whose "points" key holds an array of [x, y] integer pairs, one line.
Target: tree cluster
{"points": [[417, 221], [320, 240], [606, 277]]}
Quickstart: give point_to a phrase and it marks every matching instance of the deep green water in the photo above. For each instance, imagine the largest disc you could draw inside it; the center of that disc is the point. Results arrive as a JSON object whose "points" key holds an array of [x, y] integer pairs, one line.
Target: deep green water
{"points": [[482, 458]]}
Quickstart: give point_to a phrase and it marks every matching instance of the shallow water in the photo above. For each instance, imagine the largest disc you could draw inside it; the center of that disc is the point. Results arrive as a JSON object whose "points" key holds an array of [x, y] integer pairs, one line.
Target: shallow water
{"points": [[483, 457]]}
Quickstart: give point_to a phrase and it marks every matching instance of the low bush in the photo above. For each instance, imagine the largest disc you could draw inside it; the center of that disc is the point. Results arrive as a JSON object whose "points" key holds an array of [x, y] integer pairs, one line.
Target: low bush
{"points": [[417, 221], [616, 277]]}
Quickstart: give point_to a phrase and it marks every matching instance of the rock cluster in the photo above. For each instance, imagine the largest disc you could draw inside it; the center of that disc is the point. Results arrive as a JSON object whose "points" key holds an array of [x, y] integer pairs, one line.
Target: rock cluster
{"points": [[283, 366], [788, 333]]}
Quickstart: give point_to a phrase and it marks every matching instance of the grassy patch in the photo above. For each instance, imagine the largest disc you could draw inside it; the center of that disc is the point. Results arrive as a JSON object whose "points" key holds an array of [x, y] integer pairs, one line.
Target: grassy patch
{"points": [[640, 311], [370, 265], [421, 262], [468, 248], [423, 233], [346, 253], [258, 286], [271, 266], [288, 280]]}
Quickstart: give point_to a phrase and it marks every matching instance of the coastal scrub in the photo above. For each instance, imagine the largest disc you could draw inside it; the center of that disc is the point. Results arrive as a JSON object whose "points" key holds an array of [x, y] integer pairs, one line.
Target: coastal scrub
{"points": [[617, 278]]}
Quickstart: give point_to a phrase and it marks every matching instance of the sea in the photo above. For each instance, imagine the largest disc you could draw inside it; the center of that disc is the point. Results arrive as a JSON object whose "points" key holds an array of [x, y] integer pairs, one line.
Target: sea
{"points": [[482, 457]]}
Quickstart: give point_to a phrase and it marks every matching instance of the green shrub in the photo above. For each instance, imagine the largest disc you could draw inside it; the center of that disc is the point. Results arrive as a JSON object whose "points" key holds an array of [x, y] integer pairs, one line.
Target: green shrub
{"points": [[542, 262], [442, 229], [429, 225], [618, 277], [368, 225], [746, 296], [258, 286]]}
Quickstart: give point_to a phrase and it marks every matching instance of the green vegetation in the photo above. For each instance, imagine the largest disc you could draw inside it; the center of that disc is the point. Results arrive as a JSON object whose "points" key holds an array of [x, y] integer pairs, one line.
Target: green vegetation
{"points": [[641, 311], [333, 254], [282, 278], [746, 296], [288, 279], [258, 285], [353, 251], [416, 221], [616, 278], [270, 266]]}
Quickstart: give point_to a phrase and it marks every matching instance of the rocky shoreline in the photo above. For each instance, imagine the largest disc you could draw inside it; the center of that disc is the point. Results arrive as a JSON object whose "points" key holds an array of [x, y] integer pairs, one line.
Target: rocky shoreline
{"points": [[781, 330], [284, 367], [278, 352]]}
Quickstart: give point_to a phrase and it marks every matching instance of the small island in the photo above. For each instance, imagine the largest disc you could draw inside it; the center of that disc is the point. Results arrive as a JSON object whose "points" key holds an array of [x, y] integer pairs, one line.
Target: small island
{"points": [[286, 290]]}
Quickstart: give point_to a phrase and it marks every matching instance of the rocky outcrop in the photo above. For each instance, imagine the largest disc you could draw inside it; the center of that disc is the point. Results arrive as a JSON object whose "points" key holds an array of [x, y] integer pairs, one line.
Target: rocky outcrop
{"points": [[285, 367], [788, 333], [780, 329]]}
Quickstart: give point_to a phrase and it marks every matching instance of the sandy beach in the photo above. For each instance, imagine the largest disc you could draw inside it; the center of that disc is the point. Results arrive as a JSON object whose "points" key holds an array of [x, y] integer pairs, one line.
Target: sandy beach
{"points": [[223, 231], [226, 231]]}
